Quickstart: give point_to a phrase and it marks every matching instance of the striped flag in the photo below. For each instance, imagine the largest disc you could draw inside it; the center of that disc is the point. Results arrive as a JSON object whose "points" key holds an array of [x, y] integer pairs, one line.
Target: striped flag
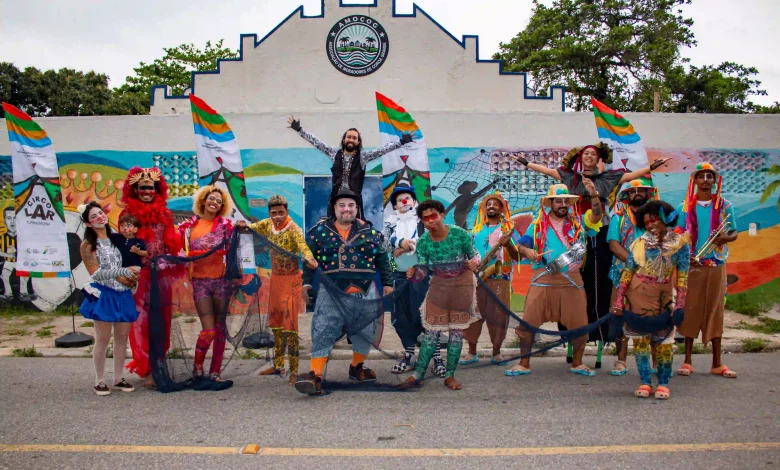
{"points": [[615, 131], [219, 163], [407, 166], [42, 240]]}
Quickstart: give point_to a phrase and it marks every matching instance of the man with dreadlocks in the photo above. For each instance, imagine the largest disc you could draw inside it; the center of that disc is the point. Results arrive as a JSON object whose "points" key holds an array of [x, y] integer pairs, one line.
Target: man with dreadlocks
{"points": [[145, 194], [286, 296], [623, 230], [557, 296], [350, 253], [349, 161], [492, 227], [588, 163], [709, 219]]}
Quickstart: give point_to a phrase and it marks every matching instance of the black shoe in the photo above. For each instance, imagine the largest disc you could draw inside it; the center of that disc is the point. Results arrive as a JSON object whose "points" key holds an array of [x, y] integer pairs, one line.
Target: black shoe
{"points": [[102, 389], [124, 386], [359, 373], [309, 384], [217, 384]]}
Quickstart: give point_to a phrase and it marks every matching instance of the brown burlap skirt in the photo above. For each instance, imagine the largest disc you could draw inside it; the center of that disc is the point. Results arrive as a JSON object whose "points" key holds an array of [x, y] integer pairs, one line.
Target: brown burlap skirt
{"points": [[649, 299], [560, 301], [705, 303], [492, 312], [451, 303]]}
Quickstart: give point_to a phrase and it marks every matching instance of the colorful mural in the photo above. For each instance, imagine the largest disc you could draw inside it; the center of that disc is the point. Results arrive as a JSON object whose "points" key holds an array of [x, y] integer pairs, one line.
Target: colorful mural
{"points": [[459, 176]]}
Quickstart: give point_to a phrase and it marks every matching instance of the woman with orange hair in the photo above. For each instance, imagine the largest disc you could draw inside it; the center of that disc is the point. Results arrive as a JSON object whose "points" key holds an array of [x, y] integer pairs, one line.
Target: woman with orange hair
{"points": [[207, 230]]}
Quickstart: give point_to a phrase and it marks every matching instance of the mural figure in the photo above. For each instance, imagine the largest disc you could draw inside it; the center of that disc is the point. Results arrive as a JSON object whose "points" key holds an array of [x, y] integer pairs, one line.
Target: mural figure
{"points": [[464, 203]]}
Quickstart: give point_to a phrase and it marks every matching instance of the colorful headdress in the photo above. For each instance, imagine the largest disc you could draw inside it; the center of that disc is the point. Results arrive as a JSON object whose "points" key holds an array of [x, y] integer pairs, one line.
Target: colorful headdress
{"points": [[137, 174], [689, 203], [572, 229], [640, 182], [482, 211]]}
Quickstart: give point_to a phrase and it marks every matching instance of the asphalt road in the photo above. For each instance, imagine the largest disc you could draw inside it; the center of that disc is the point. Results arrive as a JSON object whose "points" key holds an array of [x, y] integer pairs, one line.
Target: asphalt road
{"points": [[550, 419]]}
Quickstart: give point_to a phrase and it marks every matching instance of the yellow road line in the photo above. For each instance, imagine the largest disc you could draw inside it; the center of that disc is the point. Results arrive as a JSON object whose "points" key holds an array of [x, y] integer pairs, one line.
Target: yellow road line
{"points": [[339, 452], [119, 449]]}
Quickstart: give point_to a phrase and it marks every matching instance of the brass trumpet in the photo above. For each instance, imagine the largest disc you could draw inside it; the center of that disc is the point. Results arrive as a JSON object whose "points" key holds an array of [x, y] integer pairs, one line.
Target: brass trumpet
{"points": [[709, 245]]}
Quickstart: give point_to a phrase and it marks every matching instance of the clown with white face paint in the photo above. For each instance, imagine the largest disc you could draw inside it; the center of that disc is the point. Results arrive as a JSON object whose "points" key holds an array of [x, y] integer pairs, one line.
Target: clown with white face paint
{"points": [[402, 229]]}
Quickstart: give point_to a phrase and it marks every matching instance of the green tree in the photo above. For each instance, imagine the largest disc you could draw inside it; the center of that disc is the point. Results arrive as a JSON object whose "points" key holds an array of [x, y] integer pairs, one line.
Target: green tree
{"points": [[773, 109], [772, 186], [175, 69], [621, 52]]}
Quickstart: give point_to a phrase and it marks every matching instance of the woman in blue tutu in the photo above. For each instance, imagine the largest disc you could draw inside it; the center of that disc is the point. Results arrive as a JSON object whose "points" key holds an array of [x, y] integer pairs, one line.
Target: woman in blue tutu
{"points": [[108, 299]]}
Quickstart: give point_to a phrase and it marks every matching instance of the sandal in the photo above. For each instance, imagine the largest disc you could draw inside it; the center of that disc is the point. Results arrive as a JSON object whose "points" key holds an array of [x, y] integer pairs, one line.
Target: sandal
{"points": [[662, 393], [685, 370], [472, 360], [517, 372], [619, 368], [583, 370], [724, 371], [643, 391]]}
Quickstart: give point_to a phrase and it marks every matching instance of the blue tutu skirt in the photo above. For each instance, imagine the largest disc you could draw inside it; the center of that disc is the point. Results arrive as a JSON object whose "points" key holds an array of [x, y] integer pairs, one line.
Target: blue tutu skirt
{"points": [[111, 306]]}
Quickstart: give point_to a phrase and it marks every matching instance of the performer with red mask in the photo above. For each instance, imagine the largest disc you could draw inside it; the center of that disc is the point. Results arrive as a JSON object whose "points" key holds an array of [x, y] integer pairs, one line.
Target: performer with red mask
{"points": [[145, 194]]}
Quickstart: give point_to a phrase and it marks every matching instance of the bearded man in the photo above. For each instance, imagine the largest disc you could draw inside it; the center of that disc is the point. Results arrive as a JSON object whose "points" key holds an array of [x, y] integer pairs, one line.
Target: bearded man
{"points": [[349, 161], [145, 194]]}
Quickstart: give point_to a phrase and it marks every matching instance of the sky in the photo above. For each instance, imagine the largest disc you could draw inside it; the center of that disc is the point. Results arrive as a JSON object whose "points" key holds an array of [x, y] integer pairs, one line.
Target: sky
{"points": [[113, 36]]}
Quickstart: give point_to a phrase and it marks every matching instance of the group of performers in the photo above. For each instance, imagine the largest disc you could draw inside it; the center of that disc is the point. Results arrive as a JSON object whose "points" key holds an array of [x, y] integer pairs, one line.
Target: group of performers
{"points": [[656, 268]]}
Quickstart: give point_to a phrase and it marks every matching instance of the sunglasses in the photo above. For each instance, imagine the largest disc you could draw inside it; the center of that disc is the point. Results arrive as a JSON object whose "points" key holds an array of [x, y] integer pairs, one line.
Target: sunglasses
{"points": [[146, 188], [652, 219], [213, 199], [430, 217], [637, 191]]}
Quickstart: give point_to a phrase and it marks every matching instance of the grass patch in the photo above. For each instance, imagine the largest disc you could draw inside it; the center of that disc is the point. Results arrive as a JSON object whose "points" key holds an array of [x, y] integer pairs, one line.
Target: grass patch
{"points": [[698, 348], [44, 332], [17, 310], [87, 324], [517, 303], [26, 352], [36, 320], [746, 304], [754, 345], [244, 354], [176, 353], [766, 325], [16, 331]]}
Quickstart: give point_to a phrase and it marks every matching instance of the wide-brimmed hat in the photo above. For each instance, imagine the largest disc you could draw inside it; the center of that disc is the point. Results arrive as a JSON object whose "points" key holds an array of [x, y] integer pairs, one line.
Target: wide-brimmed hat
{"points": [[636, 184], [604, 151], [556, 191], [398, 190], [345, 193], [705, 166]]}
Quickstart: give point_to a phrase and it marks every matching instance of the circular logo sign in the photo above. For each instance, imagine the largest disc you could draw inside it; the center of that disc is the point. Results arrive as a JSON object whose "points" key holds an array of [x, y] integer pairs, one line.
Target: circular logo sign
{"points": [[357, 45]]}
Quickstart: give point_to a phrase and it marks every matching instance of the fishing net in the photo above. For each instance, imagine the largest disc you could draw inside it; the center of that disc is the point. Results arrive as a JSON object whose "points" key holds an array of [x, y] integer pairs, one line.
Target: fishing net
{"points": [[447, 293], [499, 170]]}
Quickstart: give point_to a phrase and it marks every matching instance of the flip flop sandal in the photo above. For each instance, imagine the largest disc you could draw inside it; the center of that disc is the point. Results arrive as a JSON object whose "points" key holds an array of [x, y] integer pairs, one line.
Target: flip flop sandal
{"points": [[583, 370], [662, 393], [685, 370], [473, 360], [517, 372], [498, 363], [619, 372], [643, 391], [724, 371]]}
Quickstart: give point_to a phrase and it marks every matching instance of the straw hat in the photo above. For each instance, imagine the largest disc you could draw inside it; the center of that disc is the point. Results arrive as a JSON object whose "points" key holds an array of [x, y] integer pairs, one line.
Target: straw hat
{"points": [[558, 191], [705, 166], [604, 151], [635, 184]]}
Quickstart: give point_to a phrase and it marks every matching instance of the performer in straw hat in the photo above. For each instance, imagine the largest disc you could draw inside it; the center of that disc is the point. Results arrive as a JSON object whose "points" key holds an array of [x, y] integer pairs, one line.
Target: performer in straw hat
{"points": [[623, 230], [579, 164], [709, 219], [557, 296]]}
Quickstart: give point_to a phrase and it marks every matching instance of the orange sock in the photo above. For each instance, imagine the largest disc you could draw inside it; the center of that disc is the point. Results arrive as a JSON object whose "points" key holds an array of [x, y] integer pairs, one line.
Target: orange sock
{"points": [[318, 365], [357, 358]]}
